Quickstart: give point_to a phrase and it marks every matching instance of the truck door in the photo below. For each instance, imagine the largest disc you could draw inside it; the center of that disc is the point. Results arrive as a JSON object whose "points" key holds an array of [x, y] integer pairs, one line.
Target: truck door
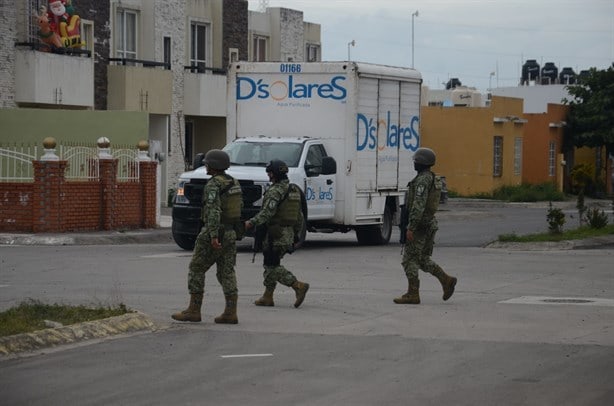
{"points": [[320, 188]]}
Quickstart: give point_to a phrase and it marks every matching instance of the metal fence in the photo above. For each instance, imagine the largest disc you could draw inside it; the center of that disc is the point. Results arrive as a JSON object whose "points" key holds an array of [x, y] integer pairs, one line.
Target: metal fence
{"points": [[16, 163], [82, 162]]}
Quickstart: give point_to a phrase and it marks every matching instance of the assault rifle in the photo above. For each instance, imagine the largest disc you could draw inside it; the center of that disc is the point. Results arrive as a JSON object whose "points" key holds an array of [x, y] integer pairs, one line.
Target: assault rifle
{"points": [[403, 224], [259, 235]]}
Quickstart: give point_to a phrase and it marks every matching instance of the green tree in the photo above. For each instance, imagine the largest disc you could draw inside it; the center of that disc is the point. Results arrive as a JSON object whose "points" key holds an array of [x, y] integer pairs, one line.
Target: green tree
{"points": [[590, 122]]}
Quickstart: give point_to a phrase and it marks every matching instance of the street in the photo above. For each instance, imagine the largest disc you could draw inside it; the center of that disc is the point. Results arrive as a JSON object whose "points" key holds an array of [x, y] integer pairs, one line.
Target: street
{"points": [[523, 328]]}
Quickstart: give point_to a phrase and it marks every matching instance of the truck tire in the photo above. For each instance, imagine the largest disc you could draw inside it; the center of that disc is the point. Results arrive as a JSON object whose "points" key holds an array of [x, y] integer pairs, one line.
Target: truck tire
{"points": [[184, 241], [378, 234]]}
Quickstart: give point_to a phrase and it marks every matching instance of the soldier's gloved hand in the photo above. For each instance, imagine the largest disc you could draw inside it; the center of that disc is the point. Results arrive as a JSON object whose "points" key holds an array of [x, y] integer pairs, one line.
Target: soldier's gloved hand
{"points": [[409, 235], [248, 225], [215, 243]]}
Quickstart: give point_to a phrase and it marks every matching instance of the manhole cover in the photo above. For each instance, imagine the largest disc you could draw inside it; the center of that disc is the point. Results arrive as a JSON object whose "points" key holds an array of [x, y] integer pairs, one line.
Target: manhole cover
{"points": [[567, 301]]}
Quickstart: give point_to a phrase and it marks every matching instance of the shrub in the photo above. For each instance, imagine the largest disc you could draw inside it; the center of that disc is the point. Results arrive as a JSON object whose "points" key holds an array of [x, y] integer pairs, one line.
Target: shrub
{"points": [[529, 193], [556, 220], [596, 218]]}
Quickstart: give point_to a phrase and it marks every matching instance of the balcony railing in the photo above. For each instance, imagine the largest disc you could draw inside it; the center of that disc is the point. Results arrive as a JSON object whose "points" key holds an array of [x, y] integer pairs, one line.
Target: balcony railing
{"points": [[141, 62], [39, 46], [203, 69]]}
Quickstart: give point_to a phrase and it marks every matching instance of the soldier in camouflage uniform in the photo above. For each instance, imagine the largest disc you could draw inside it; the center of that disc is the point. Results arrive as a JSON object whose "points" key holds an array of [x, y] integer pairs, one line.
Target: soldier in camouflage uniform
{"points": [[421, 202], [281, 212], [216, 243]]}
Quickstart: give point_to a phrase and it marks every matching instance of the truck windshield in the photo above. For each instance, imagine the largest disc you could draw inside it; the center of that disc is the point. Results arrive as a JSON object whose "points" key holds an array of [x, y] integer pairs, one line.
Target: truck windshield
{"points": [[261, 153]]}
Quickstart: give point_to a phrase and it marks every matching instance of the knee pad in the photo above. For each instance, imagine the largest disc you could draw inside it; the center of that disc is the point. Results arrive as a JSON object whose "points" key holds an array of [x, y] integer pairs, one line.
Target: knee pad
{"points": [[271, 258]]}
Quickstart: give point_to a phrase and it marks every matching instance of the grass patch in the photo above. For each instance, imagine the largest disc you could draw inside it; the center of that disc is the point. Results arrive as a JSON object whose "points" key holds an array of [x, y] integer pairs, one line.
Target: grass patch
{"points": [[30, 316], [523, 193], [576, 234]]}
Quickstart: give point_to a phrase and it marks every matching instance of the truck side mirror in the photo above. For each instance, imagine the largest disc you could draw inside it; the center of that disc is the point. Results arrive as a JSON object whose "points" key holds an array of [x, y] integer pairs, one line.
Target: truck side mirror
{"points": [[329, 165], [198, 160]]}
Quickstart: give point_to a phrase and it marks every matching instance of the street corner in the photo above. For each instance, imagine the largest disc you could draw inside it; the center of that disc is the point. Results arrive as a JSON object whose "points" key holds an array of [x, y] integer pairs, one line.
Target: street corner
{"points": [[23, 344]]}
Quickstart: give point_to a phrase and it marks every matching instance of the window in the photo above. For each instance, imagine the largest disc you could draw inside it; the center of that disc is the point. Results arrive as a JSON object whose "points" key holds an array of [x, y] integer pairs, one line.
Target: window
{"points": [[552, 158], [199, 38], [259, 50], [313, 161], [497, 169], [87, 35], [312, 52], [233, 55], [126, 33], [167, 52], [518, 156]]}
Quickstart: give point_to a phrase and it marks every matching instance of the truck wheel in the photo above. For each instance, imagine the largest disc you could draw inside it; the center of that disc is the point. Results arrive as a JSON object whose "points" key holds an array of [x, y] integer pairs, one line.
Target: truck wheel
{"points": [[376, 235], [184, 241]]}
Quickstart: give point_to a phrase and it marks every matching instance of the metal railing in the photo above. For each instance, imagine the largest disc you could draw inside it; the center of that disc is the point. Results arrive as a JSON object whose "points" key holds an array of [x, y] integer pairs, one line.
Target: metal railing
{"points": [[82, 162], [142, 62], [16, 163], [127, 165]]}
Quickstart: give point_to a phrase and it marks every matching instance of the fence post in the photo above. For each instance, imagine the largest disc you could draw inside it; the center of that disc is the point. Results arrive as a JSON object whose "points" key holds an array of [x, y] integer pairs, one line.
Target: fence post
{"points": [[147, 180], [47, 194], [108, 183]]}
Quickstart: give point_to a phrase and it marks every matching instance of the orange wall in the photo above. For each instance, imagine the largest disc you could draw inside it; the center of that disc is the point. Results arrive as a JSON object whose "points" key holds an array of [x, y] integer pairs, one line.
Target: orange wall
{"points": [[538, 134], [463, 137]]}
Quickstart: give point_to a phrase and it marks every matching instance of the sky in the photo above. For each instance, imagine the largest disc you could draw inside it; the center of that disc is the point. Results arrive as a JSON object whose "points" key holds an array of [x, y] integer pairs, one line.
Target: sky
{"points": [[481, 42]]}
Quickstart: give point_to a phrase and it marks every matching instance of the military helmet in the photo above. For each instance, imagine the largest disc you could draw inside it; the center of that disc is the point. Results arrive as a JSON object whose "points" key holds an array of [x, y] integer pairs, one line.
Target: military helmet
{"points": [[217, 159], [424, 156], [277, 167]]}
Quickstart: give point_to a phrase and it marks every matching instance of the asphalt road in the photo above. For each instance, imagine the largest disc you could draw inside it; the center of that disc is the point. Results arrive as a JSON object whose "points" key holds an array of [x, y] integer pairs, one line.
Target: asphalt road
{"points": [[523, 328]]}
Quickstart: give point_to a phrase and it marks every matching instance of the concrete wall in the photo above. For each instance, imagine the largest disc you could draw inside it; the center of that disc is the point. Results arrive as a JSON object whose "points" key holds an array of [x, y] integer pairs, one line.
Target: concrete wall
{"points": [[462, 137], [33, 125], [540, 130]]}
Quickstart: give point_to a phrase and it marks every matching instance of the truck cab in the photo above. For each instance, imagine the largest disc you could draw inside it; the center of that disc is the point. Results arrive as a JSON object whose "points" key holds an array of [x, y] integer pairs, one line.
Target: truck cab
{"points": [[309, 167]]}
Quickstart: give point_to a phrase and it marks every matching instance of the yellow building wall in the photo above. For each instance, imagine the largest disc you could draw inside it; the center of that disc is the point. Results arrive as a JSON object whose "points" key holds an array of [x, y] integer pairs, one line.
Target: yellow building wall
{"points": [[463, 139]]}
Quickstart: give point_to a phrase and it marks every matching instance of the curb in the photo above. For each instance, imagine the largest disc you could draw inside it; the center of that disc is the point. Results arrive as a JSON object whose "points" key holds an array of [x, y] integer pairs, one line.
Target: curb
{"points": [[53, 337], [152, 236]]}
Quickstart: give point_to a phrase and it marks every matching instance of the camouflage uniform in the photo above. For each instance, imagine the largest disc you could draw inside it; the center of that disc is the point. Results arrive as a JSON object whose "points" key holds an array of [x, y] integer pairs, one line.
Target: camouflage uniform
{"points": [[422, 201], [280, 239], [204, 254]]}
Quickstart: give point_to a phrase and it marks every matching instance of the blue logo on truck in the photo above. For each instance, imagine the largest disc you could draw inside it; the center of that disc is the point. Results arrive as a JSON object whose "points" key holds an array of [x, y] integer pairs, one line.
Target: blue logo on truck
{"points": [[396, 135], [248, 88]]}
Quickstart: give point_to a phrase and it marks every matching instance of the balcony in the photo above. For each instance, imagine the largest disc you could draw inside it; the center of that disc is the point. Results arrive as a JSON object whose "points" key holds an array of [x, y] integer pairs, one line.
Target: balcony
{"points": [[136, 85], [44, 78], [204, 92]]}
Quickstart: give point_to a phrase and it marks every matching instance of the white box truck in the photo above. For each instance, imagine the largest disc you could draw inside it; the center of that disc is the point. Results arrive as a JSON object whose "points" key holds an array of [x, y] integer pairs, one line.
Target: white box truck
{"points": [[347, 131]]}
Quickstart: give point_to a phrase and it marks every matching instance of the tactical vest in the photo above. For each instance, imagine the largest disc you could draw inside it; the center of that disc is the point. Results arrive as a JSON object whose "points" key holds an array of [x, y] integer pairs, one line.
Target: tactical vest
{"points": [[231, 200], [289, 208], [432, 203]]}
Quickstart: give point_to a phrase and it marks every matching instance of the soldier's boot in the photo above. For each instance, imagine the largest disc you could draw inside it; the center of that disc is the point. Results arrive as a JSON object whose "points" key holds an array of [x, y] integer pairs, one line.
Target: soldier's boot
{"points": [[448, 283], [230, 312], [413, 293], [266, 299], [192, 313], [300, 288]]}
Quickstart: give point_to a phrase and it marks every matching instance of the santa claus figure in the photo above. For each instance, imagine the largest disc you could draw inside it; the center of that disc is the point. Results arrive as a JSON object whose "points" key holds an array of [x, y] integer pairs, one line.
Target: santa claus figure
{"points": [[57, 14]]}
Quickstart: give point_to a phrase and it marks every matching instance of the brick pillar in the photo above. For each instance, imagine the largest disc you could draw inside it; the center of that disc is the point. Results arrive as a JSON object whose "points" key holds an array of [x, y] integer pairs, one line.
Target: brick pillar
{"points": [[46, 196], [147, 179], [108, 183]]}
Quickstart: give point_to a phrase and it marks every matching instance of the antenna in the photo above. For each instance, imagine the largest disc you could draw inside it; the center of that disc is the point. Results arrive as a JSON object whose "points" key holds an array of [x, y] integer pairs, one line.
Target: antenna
{"points": [[263, 6]]}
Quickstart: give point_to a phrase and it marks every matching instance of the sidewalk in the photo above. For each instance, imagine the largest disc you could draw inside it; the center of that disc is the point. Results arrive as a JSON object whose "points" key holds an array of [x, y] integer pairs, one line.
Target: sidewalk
{"points": [[159, 235]]}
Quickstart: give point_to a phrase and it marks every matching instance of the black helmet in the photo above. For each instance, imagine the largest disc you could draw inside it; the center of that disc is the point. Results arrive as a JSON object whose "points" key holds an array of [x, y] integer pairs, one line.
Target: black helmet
{"points": [[424, 156], [278, 168], [217, 159]]}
